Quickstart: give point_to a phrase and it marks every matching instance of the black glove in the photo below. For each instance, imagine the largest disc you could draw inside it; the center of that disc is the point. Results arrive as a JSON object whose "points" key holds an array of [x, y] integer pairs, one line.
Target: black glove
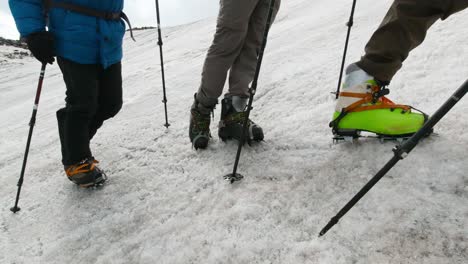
{"points": [[41, 45]]}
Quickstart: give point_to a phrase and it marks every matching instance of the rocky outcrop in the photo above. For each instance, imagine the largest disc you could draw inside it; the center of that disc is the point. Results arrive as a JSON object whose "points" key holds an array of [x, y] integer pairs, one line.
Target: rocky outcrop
{"points": [[12, 52], [12, 43]]}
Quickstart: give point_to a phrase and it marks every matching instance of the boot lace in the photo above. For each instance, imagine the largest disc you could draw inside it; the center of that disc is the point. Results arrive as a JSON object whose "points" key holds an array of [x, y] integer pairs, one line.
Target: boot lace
{"points": [[201, 123], [238, 118]]}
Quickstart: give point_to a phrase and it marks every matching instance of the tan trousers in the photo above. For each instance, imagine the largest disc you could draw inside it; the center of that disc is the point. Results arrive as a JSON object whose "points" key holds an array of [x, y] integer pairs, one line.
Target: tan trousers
{"points": [[238, 37], [403, 29]]}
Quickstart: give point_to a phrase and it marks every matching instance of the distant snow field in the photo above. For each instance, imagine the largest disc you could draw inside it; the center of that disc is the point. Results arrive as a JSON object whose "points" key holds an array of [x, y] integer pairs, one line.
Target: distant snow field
{"points": [[167, 203]]}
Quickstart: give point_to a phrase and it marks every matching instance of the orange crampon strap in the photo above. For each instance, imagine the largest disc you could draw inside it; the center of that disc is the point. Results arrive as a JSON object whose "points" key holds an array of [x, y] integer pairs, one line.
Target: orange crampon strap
{"points": [[83, 167], [368, 101]]}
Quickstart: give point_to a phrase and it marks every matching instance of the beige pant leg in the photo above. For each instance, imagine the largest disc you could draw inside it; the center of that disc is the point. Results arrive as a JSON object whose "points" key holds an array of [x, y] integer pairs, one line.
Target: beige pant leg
{"points": [[243, 69], [231, 31]]}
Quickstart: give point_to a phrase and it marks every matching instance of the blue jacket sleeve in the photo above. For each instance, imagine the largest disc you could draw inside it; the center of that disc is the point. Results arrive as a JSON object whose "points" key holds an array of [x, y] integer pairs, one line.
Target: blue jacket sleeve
{"points": [[29, 16]]}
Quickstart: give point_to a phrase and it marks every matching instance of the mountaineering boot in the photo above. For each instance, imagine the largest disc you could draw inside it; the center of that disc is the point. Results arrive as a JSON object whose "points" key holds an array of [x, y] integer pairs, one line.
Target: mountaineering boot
{"points": [[200, 118], [85, 173], [362, 106], [233, 112]]}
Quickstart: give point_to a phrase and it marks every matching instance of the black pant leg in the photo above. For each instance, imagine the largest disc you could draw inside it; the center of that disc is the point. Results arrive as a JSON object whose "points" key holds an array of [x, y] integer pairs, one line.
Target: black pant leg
{"points": [[81, 106], [109, 97], [61, 115]]}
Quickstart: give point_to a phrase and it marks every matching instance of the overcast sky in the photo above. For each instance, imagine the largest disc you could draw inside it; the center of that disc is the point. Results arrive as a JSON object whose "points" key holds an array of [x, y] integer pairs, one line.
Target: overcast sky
{"points": [[141, 13]]}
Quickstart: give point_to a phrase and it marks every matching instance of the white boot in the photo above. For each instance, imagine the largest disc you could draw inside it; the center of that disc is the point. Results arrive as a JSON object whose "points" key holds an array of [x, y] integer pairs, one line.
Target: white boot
{"points": [[356, 81]]}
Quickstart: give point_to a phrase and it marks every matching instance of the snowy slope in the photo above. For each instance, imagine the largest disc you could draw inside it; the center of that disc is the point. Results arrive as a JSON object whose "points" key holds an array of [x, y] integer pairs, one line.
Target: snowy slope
{"points": [[166, 203]]}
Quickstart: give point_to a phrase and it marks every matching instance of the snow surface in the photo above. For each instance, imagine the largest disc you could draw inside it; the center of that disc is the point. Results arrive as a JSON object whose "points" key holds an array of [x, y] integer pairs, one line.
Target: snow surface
{"points": [[167, 203]]}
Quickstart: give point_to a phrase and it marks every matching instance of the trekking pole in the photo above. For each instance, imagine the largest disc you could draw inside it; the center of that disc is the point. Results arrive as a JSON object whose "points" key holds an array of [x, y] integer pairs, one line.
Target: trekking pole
{"points": [[349, 24], [160, 43], [400, 152], [234, 176], [31, 128]]}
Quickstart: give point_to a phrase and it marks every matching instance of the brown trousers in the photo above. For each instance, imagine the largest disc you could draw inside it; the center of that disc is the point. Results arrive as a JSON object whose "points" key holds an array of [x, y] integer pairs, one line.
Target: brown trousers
{"points": [[403, 29], [238, 37]]}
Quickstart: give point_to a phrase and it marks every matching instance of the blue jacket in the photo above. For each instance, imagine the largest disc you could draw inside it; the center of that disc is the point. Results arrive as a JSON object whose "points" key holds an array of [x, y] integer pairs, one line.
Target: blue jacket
{"points": [[79, 38]]}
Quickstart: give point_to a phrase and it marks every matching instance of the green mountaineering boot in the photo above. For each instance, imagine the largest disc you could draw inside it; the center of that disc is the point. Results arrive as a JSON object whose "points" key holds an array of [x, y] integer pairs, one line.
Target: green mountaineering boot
{"points": [[362, 106], [233, 112], [200, 118]]}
